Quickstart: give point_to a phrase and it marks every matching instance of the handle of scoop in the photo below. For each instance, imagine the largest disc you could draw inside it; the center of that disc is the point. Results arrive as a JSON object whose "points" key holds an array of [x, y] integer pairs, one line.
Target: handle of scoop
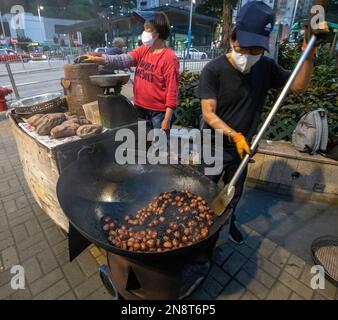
{"points": [[273, 112]]}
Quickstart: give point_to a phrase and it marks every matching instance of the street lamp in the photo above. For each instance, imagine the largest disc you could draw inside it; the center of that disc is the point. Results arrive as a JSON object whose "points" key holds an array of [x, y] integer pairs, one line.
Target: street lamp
{"points": [[190, 25], [40, 8]]}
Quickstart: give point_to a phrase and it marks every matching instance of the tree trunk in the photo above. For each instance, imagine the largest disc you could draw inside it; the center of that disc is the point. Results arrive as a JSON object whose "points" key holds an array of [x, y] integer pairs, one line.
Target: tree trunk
{"points": [[226, 25]]}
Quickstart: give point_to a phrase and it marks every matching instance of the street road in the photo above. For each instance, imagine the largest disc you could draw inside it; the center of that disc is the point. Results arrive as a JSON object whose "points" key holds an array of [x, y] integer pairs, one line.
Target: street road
{"points": [[39, 77]]}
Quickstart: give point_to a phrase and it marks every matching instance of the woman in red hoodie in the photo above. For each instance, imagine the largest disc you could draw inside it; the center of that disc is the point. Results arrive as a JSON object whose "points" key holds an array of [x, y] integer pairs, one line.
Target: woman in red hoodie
{"points": [[156, 82]]}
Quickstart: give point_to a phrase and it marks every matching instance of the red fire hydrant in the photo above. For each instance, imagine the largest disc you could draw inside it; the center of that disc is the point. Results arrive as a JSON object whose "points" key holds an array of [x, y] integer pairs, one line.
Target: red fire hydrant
{"points": [[3, 93]]}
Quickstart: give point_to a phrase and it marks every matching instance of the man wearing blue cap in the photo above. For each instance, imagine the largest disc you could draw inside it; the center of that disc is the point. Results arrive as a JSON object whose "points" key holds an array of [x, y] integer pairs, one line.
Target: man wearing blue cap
{"points": [[233, 89]]}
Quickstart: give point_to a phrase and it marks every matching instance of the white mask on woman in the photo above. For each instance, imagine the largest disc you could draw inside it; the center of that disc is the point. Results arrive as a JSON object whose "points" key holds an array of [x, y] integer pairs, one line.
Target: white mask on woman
{"points": [[244, 62], [147, 38]]}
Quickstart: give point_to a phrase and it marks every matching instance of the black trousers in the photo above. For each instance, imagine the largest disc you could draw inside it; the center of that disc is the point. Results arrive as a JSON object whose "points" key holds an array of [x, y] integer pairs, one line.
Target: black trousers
{"points": [[231, 162]]}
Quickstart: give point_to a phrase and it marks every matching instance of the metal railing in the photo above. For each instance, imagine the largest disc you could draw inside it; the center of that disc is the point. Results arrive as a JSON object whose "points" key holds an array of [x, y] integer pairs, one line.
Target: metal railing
{"points": [[13, 76]]}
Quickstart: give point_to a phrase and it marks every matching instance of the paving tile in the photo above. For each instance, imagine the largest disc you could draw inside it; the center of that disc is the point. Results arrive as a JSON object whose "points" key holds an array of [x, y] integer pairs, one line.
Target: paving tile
{"points": [[243, 249], [87, 263], [46, 281], [234, 263], [4, 186], [32, 269], [22, 202], [280, 257], [296, 297], [318, 297], [100, 294], [31, 241], [53, 235], [5, 235], [233, 291], [5, 277], [5, 243], [33, 250], [254, 240], [10, 206], [259, 274], [221, 254], [60, 247], [62, 257], [252, 284], [199, 294], [18, 213], [73, 273], [306, 276], [329, 292], [20, 233], [248, 296], [21, 295], [296, 286], [212, 287], [266, 248], [279, 292], [54, 292], [33, 227], [219, 275], [47, 260], [295, 266], [89, 286], [95, 251], [9, 257], [68, 296], [21, 219], [6, 291]]}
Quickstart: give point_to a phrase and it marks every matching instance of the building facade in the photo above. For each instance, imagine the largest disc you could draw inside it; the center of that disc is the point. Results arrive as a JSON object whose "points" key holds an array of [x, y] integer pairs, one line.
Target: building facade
{"points": [[149, 4], [130, 29], [37, 29]]}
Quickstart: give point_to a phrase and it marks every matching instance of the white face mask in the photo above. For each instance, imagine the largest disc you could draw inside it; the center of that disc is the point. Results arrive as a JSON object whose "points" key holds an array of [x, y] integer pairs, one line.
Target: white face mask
{"points": [[147, 39], [244, 62]]}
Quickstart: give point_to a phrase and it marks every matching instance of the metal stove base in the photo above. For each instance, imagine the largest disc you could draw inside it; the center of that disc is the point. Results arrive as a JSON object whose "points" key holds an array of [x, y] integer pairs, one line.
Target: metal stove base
{"points": [[108, 283]]}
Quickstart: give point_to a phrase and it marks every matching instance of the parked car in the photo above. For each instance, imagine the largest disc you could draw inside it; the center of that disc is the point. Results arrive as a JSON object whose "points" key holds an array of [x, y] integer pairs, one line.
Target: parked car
{"points": [[11, 55], [194, 54], [38, 56], [100, 50]]}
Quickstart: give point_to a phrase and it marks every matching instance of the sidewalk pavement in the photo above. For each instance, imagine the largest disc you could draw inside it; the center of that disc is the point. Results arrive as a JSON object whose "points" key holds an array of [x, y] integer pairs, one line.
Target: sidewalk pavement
{"points": [[259, 269]]}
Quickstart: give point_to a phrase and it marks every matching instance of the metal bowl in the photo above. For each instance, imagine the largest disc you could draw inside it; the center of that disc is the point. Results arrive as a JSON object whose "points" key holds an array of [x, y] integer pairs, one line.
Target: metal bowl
{"points": [[110, 80], [45, 103]]}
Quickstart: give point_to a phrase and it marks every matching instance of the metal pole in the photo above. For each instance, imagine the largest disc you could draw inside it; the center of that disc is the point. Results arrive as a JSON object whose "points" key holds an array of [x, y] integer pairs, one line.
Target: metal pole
{"points": [[2, 25], [294, 14], [11, 78], [333, 48], [273, 112], [190, 26], [41, 27]]}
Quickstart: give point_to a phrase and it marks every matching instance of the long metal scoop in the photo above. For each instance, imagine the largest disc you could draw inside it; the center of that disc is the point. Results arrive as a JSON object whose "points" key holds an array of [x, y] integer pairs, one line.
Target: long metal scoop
{"points": [[222, 201]]}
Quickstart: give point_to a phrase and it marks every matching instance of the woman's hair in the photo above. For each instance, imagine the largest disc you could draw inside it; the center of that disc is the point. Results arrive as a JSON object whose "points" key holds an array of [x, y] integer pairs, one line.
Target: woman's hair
{"points": [[162, 25], [119, 43]]}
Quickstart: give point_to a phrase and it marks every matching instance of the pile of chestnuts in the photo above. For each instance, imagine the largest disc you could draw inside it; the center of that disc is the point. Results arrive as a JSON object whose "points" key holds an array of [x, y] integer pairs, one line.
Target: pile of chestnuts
{"points": [[175, 219]]}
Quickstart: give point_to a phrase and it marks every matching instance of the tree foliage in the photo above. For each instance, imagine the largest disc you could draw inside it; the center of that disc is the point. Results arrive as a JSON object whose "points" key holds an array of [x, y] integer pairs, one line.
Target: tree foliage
{"points": [[92, 36]]}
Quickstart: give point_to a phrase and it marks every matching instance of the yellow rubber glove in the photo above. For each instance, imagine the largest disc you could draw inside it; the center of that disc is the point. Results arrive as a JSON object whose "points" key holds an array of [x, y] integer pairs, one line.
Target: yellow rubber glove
{"points": [[90, 59], [241, 144]]}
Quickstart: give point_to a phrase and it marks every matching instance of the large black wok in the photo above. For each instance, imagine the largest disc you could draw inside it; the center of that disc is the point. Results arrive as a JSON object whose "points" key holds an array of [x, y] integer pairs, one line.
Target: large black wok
{"points": [[95, 186]]}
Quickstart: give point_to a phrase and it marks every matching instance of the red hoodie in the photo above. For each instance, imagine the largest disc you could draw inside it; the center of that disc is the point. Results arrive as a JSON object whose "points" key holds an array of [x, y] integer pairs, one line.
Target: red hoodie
{"points": [[156, 79]]}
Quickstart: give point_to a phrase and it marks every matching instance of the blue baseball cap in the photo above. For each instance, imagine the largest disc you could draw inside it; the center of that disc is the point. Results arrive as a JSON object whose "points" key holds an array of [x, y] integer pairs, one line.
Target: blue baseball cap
{"points": [[145, 15], [254, 24]]}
